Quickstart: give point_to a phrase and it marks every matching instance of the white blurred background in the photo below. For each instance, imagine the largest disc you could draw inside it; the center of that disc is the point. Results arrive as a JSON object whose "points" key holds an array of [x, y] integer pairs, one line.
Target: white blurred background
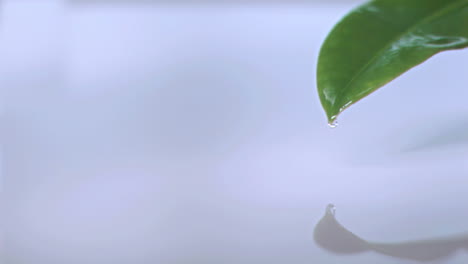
{"points": [[192, 133]]}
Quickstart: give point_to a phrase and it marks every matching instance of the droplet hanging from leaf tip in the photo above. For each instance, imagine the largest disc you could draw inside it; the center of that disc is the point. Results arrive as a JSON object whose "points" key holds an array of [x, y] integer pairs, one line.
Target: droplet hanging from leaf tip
{"points": [[333, 123]]}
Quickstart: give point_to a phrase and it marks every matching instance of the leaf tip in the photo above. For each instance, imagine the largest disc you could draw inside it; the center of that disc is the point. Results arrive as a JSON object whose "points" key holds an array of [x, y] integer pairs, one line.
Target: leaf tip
{"points": [[334, 112]]}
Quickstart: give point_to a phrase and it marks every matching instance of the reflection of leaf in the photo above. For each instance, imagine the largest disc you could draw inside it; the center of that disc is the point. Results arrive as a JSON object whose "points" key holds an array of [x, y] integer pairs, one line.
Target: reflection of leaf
{"points": [[423, 250], [332, 236], [380, 40]]}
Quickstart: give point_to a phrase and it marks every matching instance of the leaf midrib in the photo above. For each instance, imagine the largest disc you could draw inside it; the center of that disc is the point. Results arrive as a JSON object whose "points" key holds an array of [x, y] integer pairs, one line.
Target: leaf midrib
{"points": [[392, 41]]}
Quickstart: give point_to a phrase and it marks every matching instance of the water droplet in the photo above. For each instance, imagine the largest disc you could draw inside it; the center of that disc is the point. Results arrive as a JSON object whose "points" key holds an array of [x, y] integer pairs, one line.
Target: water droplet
{"points": [[333, 123], [331, 209]]}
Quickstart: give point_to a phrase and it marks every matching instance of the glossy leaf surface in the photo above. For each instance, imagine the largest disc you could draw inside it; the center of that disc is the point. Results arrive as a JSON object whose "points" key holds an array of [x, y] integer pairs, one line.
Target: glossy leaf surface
{"points": [[382, 39]]}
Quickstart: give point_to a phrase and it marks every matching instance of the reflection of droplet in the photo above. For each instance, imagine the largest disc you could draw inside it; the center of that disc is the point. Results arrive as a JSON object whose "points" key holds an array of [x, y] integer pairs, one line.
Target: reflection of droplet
{"points": [[333, 123], [331, 209]]}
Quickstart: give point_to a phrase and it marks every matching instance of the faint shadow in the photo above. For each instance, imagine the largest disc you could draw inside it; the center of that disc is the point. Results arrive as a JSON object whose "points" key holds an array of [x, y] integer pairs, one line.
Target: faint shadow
{"points": [[438, 135], [330, 235]]}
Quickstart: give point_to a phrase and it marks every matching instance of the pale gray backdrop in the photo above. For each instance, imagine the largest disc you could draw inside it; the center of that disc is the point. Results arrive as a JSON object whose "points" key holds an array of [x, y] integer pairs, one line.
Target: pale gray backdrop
{"points": [[193, 134]]}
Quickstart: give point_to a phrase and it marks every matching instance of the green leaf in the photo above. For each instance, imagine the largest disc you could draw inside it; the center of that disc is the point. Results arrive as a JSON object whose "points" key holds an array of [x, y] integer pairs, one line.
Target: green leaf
{"points": [[381, 40]]}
